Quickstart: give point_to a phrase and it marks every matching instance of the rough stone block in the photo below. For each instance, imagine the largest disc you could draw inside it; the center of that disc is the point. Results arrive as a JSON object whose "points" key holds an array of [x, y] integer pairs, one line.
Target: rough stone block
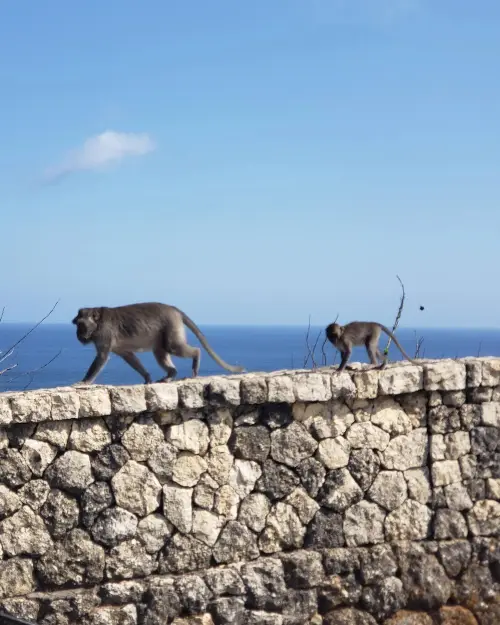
{"points": [[224, 391], [94, 402], [161, 396], [192, 393], [367, 383], [31, 407], [280, 389], [253, 390], [5, 411], [65, 405], [395, 381], [128, 399], [312, 387], [446, 375], [491, 372], [490, 414]]}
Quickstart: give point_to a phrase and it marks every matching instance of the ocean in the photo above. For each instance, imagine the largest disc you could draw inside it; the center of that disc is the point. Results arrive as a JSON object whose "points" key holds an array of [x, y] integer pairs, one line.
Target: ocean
{"points": [[257, 348]]}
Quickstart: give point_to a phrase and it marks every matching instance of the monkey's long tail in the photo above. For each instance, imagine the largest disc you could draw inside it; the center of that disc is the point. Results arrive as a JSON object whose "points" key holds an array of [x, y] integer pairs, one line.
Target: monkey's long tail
{"points": [[389, 333], [197, 332]]}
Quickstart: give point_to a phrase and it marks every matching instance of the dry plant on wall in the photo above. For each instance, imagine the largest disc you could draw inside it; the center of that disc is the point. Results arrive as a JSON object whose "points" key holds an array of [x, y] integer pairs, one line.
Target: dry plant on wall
{"points": [[311, 348], [6, 356], [418, 340]]}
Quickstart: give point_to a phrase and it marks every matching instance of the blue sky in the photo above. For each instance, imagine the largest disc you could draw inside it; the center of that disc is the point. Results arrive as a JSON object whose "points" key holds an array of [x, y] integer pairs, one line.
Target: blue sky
{"points": [[252, 162]]}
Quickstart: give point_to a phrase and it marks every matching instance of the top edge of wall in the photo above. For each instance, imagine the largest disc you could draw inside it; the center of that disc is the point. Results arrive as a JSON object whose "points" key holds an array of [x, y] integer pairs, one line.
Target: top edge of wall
{"points": [[289, 386]]}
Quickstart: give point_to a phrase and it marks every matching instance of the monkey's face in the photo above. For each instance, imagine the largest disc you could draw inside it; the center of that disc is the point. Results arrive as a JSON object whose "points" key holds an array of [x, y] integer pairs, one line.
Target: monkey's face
{"points": [[87, 322], [333, 332]]}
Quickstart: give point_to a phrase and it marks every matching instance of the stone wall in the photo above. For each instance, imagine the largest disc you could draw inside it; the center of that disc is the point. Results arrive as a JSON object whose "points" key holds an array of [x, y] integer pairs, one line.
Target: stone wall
{"points": [[260, 499]]}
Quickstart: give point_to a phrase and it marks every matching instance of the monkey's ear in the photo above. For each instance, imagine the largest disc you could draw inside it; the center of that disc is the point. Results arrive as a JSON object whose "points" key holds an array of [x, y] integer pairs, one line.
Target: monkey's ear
{"points": [[96, 314]]}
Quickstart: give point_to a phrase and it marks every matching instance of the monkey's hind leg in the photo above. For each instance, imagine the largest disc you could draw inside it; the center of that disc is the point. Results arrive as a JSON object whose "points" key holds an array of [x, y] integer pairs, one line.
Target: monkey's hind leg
{"points": [[186, 351], [131, 359], [165, 361]]}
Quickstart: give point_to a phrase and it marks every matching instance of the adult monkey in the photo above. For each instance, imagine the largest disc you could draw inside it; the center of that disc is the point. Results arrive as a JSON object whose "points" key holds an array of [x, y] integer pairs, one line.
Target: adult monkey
{"points": [[357, 333], [144, 327]]}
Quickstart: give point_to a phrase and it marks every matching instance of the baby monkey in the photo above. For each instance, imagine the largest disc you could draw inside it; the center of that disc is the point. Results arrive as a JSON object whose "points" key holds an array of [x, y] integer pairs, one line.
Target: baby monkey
{"points": [[357, 333]]}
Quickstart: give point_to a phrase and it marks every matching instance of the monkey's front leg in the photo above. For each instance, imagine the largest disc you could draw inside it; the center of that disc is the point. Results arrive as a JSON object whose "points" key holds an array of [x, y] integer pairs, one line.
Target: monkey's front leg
{"points": [[345, 357], [95, 368]]}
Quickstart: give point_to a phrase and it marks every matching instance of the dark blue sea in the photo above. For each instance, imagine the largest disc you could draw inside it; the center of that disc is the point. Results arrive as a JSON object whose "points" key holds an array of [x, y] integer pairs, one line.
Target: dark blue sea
{"points": [[257, 348]]}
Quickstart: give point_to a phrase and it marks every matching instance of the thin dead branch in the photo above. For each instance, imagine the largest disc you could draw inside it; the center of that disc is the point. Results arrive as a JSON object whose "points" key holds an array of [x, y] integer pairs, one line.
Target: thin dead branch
{"points": [[479, 348], [418, 345], [33, 372], [398, 316]]}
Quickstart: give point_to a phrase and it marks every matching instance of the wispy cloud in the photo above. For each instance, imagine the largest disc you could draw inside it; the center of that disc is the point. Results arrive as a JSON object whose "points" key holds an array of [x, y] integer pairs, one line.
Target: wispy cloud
{"points": [[97, 152]]}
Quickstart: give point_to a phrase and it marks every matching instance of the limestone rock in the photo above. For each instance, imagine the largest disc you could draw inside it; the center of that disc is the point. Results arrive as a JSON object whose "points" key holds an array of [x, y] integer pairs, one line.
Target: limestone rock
{"points": [[203, 496], [425, 581], [224, 581], [221, 427], [445, 472], [389, 490], [94, 402], [449, 524], [178, 507], [250, 443], [253, 390], [366, 384], [236, 543], [189, 436], [153, 532], [384, 598], [490, 375], [89, 435], [34, 494], [303, 569], [361, 435], [254, 510], [377, 563], [325, 531], [455, 556], [411, 521], [24, 533], [395, 381], [13, 468], [484, 518], [276, 481], [5, 411], [311, 387], [304, 506], [20, 607], [95, 499], [223, 391], [457, 497], [10, 502], [444, 419], [60, 512], [163, 604], [188, 469], [194, 596], [123, 615], [192, 393], [292, 444], [407, 451], [207, 526], [364, 465], [243, 476], [113, 526], [446, 375], [70, 472], [283, 530], [136, 489], [390, 417], [334, 452], [31, 406], [348, 616], [129, 560], [490, 414], [364, 524], [162, 460], [339, 491], [141, 439], [456, 615], [54, 433], [161, 396], [219, 463], [265, 584], [280, 389], [419, 487], [128, 399], [16, 577], [109, 461], [312, 475], [75, 559], [38, 455], [183, 554], [226, 502]]}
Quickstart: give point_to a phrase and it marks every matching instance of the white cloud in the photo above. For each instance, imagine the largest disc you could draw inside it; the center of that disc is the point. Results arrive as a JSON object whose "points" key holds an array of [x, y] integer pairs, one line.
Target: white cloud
{"points": [[101, 150]]}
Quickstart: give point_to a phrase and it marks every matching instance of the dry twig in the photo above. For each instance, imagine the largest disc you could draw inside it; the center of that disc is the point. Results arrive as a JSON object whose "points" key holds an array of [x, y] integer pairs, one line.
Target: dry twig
{"points": [[398, 316]]}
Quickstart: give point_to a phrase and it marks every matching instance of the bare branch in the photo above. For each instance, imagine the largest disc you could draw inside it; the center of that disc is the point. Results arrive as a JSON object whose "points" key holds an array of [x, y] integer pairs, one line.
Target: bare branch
{"points": [[308, 355], [7, 369], [323, 352], [418, 344], [12, 347], [398, 316], [479, 348], [1, 314], [33, 372]]}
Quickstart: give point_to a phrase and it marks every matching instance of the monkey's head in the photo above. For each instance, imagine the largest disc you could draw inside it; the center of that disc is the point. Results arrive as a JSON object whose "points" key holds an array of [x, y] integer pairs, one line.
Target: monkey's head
{"points": [[333, 331], [87, 322]]}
